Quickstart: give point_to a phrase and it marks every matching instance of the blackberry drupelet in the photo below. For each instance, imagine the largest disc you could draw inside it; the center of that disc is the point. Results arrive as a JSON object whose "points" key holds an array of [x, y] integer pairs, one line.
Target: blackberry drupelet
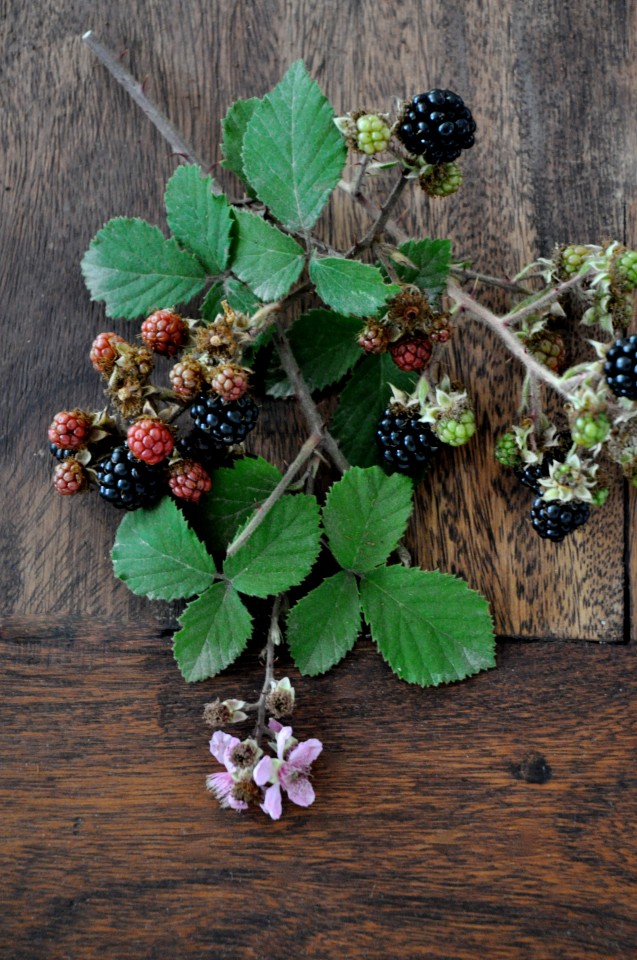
{"points": [[58, 453], [532, 473], [202, 448], [620, 367], [554, 520], [406, 444], [436, 125], [225, 421], [127, 483]]}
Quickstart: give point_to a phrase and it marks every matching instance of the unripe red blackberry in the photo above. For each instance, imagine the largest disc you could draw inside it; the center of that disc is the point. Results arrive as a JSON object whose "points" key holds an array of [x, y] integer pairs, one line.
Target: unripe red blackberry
{"points": [[69, 477], [70, 429], [104, 352], [411, 352], [229, 380], [150, 440], [187, 378], [164, 332], [373, 338], [188, 480], [436, 125]]}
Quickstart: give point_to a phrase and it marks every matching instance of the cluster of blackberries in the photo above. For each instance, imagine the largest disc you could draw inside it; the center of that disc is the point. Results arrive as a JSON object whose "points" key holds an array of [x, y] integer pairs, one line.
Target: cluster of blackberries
{"points": [[406, 444]]}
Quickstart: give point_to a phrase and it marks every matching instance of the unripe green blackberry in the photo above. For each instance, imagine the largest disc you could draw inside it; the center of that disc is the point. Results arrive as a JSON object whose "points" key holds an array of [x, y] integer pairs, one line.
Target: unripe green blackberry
{"points": [[373, 134], [456, 431], [572, 259], [507, 451], [548, 348], [627, 268], [441, 179], [589, 429]]}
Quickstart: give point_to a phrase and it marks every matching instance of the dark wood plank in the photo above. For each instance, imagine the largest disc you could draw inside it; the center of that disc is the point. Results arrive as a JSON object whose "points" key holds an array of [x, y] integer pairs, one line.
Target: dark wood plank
{"points": [[492, 820], [82, 153]]}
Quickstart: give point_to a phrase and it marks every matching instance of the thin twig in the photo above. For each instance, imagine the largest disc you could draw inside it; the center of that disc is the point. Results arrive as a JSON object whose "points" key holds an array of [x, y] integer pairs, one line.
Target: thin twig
{"points": [[463, 273], [382, 220], [259, 516], [391, 227], [274, 634], [135, 90], [303, 395]]}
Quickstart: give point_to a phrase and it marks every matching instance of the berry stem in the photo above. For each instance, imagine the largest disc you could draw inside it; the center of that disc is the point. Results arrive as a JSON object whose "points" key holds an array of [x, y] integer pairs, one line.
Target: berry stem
{"points": [[286, 480], [464, 273], [390, 226], [274, 637]]}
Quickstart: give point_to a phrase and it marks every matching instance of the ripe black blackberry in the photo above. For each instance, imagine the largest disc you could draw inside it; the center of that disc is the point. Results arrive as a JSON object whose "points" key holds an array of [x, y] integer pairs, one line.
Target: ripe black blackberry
{"points": [[225, 421], [530, 474], [202, 448], [554, 520], [620, 367], [60, 454], [127, 483], [406, 444], [436, 125]]}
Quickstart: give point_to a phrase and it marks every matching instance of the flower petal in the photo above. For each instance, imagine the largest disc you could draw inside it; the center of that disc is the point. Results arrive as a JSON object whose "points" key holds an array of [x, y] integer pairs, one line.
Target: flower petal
{"points": [[300, 791], [305, 753], [272, 802], [220, 744], [263, 771], [282, 738], [220, 784]]}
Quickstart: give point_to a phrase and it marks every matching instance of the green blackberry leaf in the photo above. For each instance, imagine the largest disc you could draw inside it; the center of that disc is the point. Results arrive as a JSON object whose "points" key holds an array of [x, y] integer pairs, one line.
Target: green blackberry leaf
{"points": [[293, 155], [158, 556], [365, 515], [215, 630], [350, 287], [239, 297], [281, 551], [323, 626], [264, 258], [324, 345], [234, 127], [134, 269], [431, 260], [430, 627], [200, 220], [235, 494], [362, 403]]}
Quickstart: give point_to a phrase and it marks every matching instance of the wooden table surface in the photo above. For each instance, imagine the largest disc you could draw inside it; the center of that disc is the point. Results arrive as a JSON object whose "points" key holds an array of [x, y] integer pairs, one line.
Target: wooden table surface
{"points": [[490, 819]]}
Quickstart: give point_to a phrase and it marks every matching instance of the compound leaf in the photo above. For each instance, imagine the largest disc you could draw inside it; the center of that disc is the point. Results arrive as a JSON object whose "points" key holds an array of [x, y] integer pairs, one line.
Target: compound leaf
{"points": [[215, 630], [323, 626]]}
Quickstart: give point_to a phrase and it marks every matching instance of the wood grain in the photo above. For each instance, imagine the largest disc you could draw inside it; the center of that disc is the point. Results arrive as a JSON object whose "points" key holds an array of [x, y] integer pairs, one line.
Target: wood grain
{"points": [[83, 153], [489, 820]]}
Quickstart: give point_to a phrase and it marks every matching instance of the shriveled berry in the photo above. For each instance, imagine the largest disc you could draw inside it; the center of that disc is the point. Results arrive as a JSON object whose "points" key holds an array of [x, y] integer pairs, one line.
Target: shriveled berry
{"points": [[226, 422], [127, 483], [164, 332], [229, 380], [411, 353], [188, 480], [187, 378], [150, 440], [70, 429], [104, 352], [69, 477]]}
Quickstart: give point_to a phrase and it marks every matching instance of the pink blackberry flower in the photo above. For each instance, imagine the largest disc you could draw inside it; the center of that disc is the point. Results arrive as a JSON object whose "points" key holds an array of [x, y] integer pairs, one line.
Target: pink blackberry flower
{"points": [[289, 770]]}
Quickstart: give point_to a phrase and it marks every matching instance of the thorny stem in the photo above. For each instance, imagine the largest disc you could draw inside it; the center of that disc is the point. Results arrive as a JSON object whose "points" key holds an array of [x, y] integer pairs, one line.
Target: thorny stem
{"points": [[261, 513], [382, 220], [390, 226], [463, 273], [303, 395], [513, 344], [274, 634], [135, 90], [359, 176]]}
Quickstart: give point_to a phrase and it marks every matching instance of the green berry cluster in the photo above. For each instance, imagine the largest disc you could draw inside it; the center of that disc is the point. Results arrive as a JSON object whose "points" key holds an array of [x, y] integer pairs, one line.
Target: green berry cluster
{"points": [[441, 179], [457, 431], [627, 268], [373, 134], [589, 429], [507, 451]]}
